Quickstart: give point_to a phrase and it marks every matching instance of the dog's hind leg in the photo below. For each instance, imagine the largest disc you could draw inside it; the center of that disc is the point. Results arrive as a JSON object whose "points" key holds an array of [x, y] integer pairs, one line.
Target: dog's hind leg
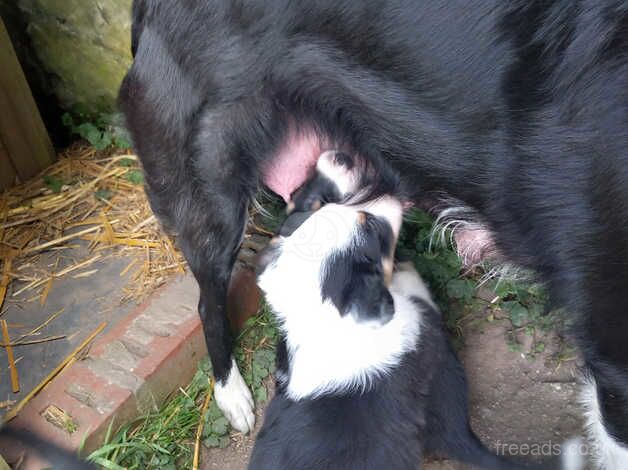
{"points": [[602, 338], [606, 421]]}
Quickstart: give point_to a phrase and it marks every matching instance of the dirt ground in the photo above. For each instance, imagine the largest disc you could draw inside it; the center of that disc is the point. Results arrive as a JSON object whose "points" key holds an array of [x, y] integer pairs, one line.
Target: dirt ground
{"points": [[515, 399]]}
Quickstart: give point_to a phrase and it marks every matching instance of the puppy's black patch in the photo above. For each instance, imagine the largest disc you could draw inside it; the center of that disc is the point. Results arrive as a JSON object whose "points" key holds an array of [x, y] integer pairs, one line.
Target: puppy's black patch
{"points": [[293, 222], [354, 278], [320, 189], [316, 192]]}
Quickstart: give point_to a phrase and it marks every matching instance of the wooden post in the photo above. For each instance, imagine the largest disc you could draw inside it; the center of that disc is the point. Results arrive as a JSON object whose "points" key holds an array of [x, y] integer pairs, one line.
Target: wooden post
{"points": [[7, 172], [25, 147]]}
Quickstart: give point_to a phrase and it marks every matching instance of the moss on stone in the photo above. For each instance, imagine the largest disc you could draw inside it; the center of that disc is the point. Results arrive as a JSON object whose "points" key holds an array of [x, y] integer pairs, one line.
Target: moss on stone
{"points": [[84, 45]]}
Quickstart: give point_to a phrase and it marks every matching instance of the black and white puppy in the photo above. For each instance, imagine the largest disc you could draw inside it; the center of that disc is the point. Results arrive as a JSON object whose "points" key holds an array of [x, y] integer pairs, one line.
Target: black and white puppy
{"points": [[366, 377]]}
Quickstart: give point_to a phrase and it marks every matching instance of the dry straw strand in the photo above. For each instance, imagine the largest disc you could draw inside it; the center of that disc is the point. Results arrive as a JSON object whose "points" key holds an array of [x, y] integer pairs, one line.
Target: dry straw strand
{"points": [[15, 381]]}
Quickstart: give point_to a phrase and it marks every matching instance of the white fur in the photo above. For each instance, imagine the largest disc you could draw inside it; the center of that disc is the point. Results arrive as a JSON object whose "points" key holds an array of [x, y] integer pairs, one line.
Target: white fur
{"points": [[608, 454], [338, 354], [346, 180], [447, 221], [235, 400], [571, 457], [455, 218], [386, 207], [328, 352], [506, 272], [461, 218], [408, 282]]}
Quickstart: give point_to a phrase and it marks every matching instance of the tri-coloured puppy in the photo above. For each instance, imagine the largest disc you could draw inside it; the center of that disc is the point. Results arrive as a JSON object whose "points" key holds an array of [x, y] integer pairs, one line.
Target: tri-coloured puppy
{"points": [[366, 377]]}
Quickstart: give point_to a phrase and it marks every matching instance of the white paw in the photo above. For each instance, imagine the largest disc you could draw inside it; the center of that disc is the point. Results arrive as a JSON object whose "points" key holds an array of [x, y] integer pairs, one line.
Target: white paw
{"points": [[571, 455], [402, 266], [235, 401]]}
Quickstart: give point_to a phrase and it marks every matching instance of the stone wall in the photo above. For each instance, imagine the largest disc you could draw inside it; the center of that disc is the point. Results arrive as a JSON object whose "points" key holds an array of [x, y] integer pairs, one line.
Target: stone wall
{"points": [[83, 47]]}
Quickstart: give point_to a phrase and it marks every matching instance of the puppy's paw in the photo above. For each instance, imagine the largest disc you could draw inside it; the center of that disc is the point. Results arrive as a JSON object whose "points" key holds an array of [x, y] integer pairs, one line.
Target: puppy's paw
{"points": [[402, 266], [407, 282], [235, 401]]}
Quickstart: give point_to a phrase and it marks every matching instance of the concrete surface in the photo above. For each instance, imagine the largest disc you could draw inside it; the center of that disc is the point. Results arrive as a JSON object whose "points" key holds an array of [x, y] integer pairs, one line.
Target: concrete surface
{"points": [[86, 302], [129, 370]]}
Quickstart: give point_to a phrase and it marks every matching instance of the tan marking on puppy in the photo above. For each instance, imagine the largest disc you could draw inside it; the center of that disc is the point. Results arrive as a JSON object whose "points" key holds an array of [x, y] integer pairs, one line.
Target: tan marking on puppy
{"points": [[316, 205], [390, 209], [290, 207], [362, 218]]}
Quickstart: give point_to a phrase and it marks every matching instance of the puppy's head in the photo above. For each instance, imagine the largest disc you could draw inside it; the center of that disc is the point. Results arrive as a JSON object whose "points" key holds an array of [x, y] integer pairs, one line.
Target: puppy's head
{"points": [[337, 258], [335, 178]]}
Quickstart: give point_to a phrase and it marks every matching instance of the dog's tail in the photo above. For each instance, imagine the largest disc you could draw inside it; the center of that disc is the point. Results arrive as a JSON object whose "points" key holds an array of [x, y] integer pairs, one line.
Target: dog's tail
{"points": [[55, 456]]}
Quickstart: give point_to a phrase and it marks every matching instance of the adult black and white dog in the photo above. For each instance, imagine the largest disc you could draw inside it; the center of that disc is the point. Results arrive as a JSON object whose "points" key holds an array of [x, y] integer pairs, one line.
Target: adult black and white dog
{"points": [[518, 109], [366, 377]]}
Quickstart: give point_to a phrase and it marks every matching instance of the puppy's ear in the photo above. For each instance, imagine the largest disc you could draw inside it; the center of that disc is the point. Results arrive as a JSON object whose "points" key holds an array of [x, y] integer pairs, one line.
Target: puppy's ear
{"points": [[355, 279]]}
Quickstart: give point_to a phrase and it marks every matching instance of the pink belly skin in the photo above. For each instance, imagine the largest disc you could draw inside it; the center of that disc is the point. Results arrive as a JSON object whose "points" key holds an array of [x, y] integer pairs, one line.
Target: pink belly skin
{"points": [[475, 246], [294, 163]]}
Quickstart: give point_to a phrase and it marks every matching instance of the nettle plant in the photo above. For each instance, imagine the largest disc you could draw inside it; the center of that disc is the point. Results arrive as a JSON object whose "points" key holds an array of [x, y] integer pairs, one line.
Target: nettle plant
{"points": [[523, 301], [102, 132]]}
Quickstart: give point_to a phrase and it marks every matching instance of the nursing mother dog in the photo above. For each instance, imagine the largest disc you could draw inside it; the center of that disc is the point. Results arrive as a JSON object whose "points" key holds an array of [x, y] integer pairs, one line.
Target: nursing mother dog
{"points": [[517, 109]]}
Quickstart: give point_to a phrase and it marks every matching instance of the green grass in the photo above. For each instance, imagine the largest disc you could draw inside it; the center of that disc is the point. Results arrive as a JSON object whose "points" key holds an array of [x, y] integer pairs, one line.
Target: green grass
{"points": [[164, 439]]}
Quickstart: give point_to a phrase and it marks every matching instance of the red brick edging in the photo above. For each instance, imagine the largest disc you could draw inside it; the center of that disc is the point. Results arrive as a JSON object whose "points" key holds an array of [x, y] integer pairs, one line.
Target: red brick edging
{"points": [[130, 370]]}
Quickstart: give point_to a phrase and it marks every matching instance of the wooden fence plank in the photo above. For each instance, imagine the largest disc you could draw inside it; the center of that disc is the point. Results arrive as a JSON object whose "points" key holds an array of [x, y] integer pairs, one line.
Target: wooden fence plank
{"points": [[7, 172], [22, 131]]}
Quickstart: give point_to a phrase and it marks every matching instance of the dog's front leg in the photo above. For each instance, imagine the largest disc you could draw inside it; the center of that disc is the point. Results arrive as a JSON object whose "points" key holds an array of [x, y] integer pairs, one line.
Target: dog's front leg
{"points": [[211, 225]]}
